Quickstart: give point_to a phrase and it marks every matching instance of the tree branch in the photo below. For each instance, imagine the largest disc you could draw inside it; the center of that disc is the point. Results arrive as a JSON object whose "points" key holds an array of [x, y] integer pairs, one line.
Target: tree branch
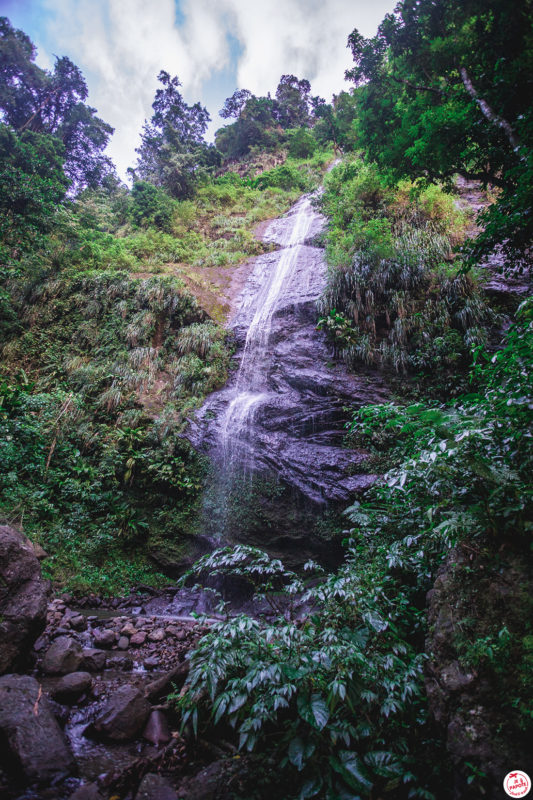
{"points": [[491, 115], [418, 88]]}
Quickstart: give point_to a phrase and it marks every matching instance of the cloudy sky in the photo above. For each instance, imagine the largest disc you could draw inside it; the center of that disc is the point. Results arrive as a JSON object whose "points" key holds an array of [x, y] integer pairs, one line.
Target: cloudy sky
{"points": [[214, 46]]}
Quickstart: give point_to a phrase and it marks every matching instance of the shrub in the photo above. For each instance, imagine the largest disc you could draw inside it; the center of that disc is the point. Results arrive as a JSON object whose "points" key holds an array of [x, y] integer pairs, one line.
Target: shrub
{"points": [[151, 206]]}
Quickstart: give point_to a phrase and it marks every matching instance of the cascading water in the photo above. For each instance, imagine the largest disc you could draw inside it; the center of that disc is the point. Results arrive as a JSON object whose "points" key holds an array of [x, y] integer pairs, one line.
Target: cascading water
{"points": [[280, 421], [251, 385]]}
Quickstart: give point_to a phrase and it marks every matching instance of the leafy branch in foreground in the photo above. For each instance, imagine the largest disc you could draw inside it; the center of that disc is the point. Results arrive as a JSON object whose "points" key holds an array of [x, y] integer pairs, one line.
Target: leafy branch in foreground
{"points": [[326, 693]]}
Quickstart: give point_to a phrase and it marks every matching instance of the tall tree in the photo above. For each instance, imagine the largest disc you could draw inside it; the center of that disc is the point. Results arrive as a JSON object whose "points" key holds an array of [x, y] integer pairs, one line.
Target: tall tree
{"points": [[234, 105], [172, 143], [52, 102], [334, 122], [447, 87], [292, 96]]}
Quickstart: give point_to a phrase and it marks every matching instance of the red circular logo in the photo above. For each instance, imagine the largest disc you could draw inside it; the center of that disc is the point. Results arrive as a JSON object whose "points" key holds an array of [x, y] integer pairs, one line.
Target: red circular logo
{"points": [[517, 784]]}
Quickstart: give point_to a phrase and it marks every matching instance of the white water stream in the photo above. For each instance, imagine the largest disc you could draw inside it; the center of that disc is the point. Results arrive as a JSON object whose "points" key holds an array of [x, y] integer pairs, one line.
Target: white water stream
{"points": [[251, 386]]}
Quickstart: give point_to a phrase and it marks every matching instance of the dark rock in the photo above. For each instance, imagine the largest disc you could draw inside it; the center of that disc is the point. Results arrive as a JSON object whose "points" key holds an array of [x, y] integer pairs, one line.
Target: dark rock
{"points": [[124, 663], [104, 638], [93, 660], [63, 656], [40, 644], [455, 679], [152, 662], [88, 791], [23, 598], [154, 787], [60, 712], [123, 716], [33, 743], [156, 730], [71, 687], [476, 726], [79, 623], [205, 785]]}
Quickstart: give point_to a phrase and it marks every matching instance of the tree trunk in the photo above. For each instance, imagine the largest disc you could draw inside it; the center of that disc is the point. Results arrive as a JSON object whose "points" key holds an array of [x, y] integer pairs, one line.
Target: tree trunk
{"points": [[491, 115]]}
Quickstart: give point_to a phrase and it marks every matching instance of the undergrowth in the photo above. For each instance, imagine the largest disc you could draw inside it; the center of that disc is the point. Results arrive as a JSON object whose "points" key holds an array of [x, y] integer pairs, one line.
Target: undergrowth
{"points": [[396, 296]]}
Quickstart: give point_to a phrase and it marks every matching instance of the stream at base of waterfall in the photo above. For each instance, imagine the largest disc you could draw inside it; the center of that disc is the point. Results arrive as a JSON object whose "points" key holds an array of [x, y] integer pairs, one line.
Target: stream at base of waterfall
{"points": [[274, 433]]}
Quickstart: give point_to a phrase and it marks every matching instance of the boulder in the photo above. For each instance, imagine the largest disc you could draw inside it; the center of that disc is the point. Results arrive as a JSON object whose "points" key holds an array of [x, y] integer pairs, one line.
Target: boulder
{"points": [[63, 656], [79, 623], [156, 730], [128, 629], [157, 636], [154, 787], [122, 717], [71, 687], [104, 638], [206, 784], [138, 638], [123, 643], [23, 598], [93, 660], [33, 743], [123, 663], [178, 633]]}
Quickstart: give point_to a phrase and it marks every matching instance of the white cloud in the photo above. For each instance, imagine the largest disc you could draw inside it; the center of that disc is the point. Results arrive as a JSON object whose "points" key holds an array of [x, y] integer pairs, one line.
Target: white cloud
{"points": [[121, 45]]}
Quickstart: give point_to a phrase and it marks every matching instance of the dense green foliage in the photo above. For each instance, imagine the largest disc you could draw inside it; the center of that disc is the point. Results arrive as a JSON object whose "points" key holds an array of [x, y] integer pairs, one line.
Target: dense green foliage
{"points": [[91, 454], [32, 183], [394, 294], [447, 89], [293, 118], [172, 145]]}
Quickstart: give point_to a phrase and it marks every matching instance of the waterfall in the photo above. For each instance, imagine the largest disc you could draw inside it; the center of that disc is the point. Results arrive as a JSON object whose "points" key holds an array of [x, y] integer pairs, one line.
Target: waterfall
{"points": [[251, 385], [275, 433]]}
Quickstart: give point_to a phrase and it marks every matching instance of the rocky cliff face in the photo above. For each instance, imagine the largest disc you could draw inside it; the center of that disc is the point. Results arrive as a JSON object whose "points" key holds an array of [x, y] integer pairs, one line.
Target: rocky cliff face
{"points": [[478, 660], [23, 598], [281, 417]]}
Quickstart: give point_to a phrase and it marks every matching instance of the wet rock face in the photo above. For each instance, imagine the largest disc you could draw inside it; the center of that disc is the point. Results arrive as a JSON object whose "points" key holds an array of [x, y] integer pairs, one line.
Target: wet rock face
{"points": [[123, 716], [281, 419], [34, 744], [71, 687], [23, 598], [284, 411], [88, 791], [206, 784]]}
